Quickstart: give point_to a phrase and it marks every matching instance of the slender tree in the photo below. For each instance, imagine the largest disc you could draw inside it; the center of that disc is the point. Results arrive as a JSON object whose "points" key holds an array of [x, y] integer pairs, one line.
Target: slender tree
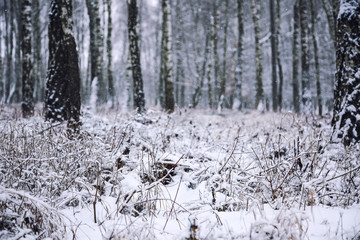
{"points": [[316, 57], [295, 56], [346, 124], [305, 61], [27, 104], [273, 56], [180, 73], [37, 70], [278, 56], [210, 61], [214, 39], [9, 43], [259, 98], [166, 72], [139, 98], [111, 88], [96, 51], [238, 102], [201, 69], [223, 76], [62, 98]]}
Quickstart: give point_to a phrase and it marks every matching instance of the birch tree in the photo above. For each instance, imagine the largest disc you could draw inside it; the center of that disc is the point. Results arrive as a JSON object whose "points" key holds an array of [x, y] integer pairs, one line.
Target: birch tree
{"points": [[166, 71]]}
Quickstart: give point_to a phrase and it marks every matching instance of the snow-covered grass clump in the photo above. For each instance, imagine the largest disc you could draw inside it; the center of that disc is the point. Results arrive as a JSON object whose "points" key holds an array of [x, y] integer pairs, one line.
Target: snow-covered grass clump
{"points": [[189, 175]]}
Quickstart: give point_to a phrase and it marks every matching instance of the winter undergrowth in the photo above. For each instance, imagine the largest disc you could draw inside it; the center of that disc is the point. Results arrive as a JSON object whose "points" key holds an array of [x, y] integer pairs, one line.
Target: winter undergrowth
{"points": [[175, 176]]}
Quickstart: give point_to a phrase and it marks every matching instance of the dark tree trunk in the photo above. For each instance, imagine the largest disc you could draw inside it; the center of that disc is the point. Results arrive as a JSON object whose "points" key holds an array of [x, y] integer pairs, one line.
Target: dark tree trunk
{"points": [[305, 62], [295, 80], [63, 82], [111, 88], [278, 60], [27, 104], [259, 98], [346, 123], [166, 72], [238, 101], [223, 76], [37, 72], [139, 98], [316, 57], [273, 56]]}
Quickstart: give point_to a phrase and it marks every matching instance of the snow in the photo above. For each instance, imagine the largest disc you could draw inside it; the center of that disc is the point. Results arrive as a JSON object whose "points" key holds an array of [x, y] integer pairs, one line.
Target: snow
{"points": [[233, 175]]}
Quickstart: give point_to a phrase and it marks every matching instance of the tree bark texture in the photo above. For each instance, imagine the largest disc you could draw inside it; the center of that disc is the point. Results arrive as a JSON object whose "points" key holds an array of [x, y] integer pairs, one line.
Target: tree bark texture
{"points": [[278, 56], [273, 56], [138, 92], [62, 101], [346, 118], [259, 98], [166, 71], [238, 101], [305, 57], [27, 104], [295, 51]]}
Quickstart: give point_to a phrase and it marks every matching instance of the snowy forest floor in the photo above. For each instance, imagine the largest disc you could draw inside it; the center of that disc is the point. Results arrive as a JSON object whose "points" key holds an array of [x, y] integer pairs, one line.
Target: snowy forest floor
{"points": [[193, 174]]}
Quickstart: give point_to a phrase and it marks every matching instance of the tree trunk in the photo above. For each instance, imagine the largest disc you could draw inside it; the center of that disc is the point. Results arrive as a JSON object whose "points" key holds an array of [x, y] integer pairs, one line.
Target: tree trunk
{"points": [[96, 51], [346, 124], [37, 60], [316, 56], [166, 59], [214, 38], [9, 49], [238, 102], [111, 88], [62, 101], [201, 71], [180, 74], [27, 104], [305, 62], [259, 98], [331, 20], [295, 80], [273, 56], [17, 84], [278, 60], [139, 98], [223, 76]]}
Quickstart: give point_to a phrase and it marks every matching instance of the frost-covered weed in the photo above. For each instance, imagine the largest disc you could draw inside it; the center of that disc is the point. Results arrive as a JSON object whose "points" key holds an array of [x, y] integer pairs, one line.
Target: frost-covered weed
{"points": [[127, 169]]}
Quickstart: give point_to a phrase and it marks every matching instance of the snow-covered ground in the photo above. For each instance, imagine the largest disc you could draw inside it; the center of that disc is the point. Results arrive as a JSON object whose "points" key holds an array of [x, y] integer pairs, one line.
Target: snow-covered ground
{"points": [[194, 174]]}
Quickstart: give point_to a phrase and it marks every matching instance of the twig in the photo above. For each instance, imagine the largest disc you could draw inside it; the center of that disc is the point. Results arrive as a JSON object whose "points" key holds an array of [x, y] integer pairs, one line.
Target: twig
{"points": [[172, 206]]}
